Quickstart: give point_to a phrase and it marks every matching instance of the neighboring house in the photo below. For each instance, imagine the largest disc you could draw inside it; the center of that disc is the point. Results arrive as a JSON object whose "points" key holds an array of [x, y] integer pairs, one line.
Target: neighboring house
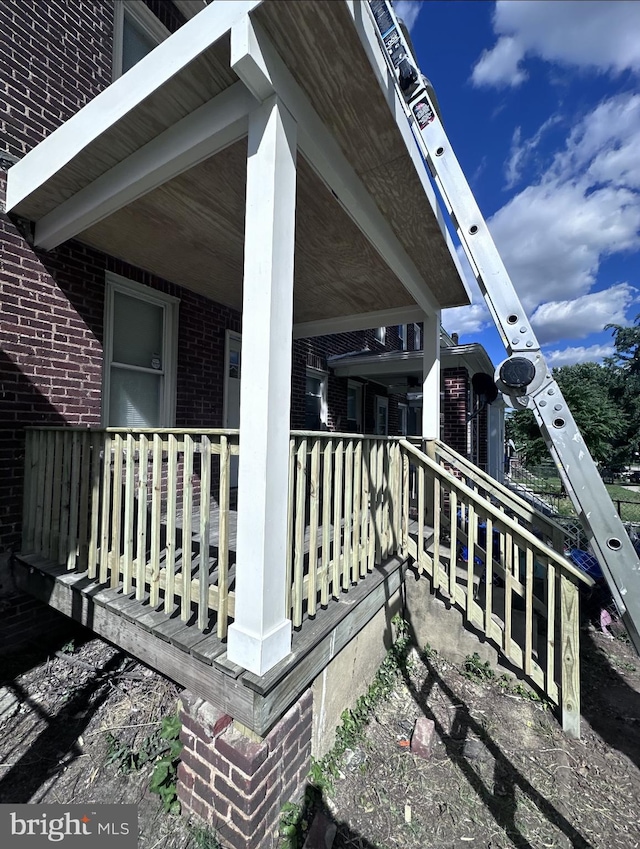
{"points": [[162, 174]]}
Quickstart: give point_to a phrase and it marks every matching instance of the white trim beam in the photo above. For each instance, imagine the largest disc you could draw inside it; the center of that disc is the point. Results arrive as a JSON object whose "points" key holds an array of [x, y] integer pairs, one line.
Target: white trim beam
{"points": [[247, 60], [200, 135], [325, 156], [125, 94], [361, 321], [261, 633], [431, 378]]}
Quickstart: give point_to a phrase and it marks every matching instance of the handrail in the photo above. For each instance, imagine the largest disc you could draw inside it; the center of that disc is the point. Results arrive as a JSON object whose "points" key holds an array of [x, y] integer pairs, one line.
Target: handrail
{"points": [[487, 506], [492, 484]]}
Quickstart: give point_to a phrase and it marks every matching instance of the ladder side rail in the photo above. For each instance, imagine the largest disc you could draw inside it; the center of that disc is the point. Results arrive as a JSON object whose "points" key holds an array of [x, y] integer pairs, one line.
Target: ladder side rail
{"points": [[540, 392]]}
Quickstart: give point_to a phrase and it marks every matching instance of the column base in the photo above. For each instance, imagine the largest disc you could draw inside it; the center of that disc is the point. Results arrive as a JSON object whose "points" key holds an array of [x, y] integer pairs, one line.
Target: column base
{"points": [[259, 654]]}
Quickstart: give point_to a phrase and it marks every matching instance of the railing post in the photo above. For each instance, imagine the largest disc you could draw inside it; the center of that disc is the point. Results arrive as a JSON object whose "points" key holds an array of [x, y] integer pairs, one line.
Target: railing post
{"points": [[430, 451], [570, 635]]}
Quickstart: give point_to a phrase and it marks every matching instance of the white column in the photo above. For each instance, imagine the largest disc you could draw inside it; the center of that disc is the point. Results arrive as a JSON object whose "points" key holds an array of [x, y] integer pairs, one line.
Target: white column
{"points": [[431, 377], [261, 633]]}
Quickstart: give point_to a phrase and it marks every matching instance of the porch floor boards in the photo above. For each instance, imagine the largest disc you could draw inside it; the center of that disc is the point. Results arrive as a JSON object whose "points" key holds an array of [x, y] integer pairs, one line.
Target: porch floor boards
{"points": [[198, 660]]}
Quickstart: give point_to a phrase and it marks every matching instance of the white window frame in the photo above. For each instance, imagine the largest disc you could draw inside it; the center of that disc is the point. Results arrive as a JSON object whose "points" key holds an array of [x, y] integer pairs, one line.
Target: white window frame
{"points": [[116, 283], [229, 337], [385, 404], [403, 413], [354, 384], [381, 334], [402, 336], [323, 377], [143, 18], [417, 337]]}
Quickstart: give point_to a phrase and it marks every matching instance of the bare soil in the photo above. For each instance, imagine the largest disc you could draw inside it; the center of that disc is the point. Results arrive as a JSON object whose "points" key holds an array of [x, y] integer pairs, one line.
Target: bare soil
{"points": [[501, 773], [69, 714]]}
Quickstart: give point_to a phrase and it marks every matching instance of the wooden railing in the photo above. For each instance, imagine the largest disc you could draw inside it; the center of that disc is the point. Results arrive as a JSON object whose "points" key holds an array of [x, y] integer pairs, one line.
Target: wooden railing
{"points": [[344, 514], [150, 511], [145, 510], [492, 567], [517, 507]]}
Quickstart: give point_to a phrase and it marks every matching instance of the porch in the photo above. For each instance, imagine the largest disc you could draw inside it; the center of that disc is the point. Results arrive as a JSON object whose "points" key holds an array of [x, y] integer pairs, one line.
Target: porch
{"points": [[133, 534]]}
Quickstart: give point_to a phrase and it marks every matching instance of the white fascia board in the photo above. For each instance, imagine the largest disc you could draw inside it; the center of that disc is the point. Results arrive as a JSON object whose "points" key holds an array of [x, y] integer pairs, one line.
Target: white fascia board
{"points": [[201, 134], [127, 92], [360, 321], [366, 29], [325, 156], [400, 363]]}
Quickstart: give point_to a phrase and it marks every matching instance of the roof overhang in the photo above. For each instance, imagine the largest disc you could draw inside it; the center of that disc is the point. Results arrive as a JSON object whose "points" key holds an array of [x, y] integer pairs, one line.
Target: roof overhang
{"points": [[153, 170], [395, 368]]}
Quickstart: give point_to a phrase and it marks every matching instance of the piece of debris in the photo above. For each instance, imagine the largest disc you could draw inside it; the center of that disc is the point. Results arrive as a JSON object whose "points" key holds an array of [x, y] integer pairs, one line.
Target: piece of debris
{"points": [[422, 738], [353, 758]]}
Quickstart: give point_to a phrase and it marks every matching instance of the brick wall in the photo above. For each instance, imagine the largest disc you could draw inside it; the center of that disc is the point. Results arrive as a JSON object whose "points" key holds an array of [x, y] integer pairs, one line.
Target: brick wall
{"points": [[236, 784], [55, 57], [314, 353], [455, 387]]}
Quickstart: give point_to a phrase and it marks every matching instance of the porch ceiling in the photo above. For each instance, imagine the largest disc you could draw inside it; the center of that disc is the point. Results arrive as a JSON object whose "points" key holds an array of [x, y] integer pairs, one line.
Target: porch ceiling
{"points": [[190, 229]]}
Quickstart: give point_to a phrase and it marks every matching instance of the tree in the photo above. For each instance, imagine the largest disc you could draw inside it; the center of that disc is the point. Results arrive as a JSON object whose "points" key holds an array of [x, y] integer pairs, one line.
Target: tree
{"points": [[590, 392]]}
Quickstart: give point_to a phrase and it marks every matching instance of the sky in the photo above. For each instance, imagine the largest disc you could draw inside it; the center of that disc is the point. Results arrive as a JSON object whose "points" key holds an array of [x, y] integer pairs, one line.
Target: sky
{"points": [[541, 102]]}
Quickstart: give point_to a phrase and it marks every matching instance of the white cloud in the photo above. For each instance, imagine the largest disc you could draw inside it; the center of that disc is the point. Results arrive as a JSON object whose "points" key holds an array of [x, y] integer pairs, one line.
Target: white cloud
{"points": [[500, 65], [521, 151], [553, 236], [604, 146], [466, 321], [583, 316], [408, 10], [571, 356], [598, 34]]}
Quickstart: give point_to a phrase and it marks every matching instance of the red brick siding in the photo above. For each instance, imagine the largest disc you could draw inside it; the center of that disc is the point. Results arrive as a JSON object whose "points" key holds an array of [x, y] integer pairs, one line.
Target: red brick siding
{"points": [[55, 57], [455, 386], [314, 353], [235, 784]]}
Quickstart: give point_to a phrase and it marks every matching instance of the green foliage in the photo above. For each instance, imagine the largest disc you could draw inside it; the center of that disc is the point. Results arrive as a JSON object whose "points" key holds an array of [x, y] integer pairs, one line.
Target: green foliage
{"points": [[475, 670], [295, 819], [604, 400], [69, 648], [162, 748], [517, 688], [204, 838], [165, 774]]}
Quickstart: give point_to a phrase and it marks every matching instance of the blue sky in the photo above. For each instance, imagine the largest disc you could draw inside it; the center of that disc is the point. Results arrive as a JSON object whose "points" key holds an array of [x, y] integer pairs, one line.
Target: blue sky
{"points": [[541, 102]]}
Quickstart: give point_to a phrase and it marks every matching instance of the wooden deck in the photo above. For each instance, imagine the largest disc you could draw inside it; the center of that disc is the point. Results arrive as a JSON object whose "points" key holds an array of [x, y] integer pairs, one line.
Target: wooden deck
{"points": [[198, 660], [111, 513]]}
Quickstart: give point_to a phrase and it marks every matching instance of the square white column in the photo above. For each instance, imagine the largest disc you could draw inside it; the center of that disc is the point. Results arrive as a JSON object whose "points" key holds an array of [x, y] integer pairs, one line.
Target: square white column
{"points": [[261, 633], [431, 377]]}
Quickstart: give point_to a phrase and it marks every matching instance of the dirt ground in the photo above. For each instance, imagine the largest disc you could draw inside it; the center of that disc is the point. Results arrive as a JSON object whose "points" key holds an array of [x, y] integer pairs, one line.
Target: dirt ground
{"points": [[69, 715], [501, 773]]}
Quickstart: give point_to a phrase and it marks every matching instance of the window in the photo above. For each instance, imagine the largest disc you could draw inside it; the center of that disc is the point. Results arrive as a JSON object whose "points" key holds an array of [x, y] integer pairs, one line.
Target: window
{"points": [[382, 415], [417, 337], [402, 336], [136, 31], [354, 406], [403, 419], [381, 334], [139, 355], [315, 408]]}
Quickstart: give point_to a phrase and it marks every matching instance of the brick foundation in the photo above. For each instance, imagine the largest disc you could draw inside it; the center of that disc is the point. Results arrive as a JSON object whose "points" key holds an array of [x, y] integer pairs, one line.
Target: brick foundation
{"points": [[238, 785]]}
